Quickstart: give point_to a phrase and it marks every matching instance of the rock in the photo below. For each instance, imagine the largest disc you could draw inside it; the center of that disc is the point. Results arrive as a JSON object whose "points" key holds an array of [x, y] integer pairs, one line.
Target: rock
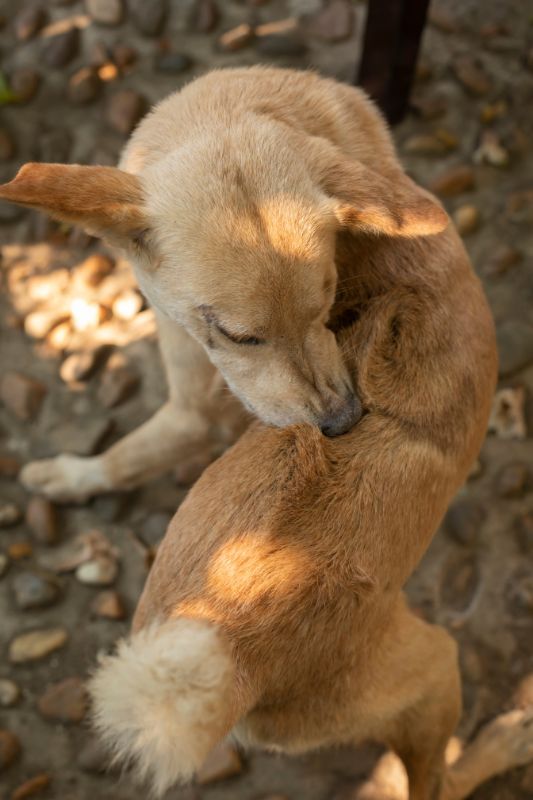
{"points": [[84, 86], [442, 19], [79, 366], [124, 55], [280, 38], [105, 12], [466, 219], [470, 73], [93, 270], [9, 466], [81, 436], [33, 646], [464, 520], [334, 23], [7, 145], [4, 566], [513, 480], [459, 583], [38, 324], [524, 532], [425, 144], [507, 414], [149, 18], [205, 16], [9, 514], [109, 605], [29, 22], [519, 592], [61, 49], [116, 386], [154, 528], [109, 507], [22, 395], [491, 151], [515, 345], [17, 551], [222, 762], [94, 758], [83, 548], [34, 590], [31, 787], [65, 701], [101, 571], [173, 63], [453, 181], [86, 315], [503, 259], [9, 693], [10, 749], [124, 110], [41, 518], [236, 38], [127, 305], [429, 107], [519, 207], [59, 338], [24, 83]]}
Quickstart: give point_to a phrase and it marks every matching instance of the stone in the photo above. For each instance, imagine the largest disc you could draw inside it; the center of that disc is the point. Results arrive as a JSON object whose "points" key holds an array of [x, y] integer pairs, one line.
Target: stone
{"points": [[513, 480], [29, 22], [491, 151], [84, 547], [17, 551], [205, 16], [33, 646], [470, 73], [82, 435], [9, 466], [125, 109], [79, 366], [505, 257], [454, 181], [105, 12], [34, 590], [59, 338], [429, 106], [236, 38], [466, 219], [99, 55], [524, 532], [7, 145], [507, 414], [515, 346], [425, 144], [108, 605], [464, 520], [10, 514], [460, 583], [94, 758], [4, 564], [33, 786], [39, 323], [281, 38], [61, 49], [65, 701], [9, 693], [24, 83], [10, 749], [92, 271], [100, 571], [86, 315], [116, 386], [519, 207], [22, 395], [222, 762], [149, 18], [154, 528], [172, 63], [334, 23], [41, 519], [84, 86], [124, 55], [519, 592], [442, 19]]}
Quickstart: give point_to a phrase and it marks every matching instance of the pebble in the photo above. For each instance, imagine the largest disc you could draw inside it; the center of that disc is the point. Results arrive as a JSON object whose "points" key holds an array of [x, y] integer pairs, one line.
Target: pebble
{"points": [[25, 82], [124, 55], [92, 271], [466, 219], [29, 22], [41, 519], [124, 110], [34, 590], [33, 786], [236, 38], [65, 701], [460, 581], [205, 16], [101, 571], [470, 73], [82, 436], [148, 17], [222, 762], [172, 63], [4, 564], [38, 324], [425, 144], [515, 345], [507, 414], [464, 520], [503, 259], [334, 23], [492, 111], [108, 605], [9, 466], [116, 386], [61, 49], [442, 19], [519, 207], [105, 12], [78, 366], [84, 547], [520, 592], [453, 181], [513, 480], [524, 532], [84, 86], [17, 551], [22, 395], [9, 514], [9, 693], [281, 38], [94, 758], [33, 646], [7, 145], [491, 151], [10, 749], [154, 528], [59, 337], [429, 106]]}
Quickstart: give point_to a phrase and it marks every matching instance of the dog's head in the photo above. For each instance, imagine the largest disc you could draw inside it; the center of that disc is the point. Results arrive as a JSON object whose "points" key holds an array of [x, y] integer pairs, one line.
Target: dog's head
{"points": [[241, 251]]}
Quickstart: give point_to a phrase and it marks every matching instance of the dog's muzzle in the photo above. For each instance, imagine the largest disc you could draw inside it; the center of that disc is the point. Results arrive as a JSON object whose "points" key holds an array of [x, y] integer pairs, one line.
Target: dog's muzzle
{"points": [[342, 417]]}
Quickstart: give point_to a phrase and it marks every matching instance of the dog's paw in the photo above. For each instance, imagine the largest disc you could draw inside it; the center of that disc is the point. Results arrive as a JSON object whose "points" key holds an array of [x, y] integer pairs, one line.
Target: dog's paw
{"points": [[64, 478], [507, 741]]}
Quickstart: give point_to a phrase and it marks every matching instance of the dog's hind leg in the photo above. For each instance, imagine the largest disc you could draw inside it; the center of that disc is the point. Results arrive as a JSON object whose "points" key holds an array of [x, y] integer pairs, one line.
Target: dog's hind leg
{"points": [[196, 423]]}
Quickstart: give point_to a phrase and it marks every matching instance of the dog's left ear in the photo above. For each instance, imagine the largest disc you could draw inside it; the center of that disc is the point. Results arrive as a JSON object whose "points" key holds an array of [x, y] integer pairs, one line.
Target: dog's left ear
{"points": [[105, 201], [393, 205]]}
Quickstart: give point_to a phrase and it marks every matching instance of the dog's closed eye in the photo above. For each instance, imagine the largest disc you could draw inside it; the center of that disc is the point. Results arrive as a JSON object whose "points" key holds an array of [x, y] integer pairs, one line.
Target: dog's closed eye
{"points": [[237, 338]]}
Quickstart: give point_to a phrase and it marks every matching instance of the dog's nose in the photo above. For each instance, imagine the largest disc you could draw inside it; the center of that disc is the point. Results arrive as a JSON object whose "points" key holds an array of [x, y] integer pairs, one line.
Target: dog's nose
{"points": [[342, 418]]}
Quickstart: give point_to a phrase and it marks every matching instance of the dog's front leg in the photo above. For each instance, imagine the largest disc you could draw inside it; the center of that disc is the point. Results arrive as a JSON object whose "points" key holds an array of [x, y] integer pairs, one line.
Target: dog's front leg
{"points": [[196, 423]]}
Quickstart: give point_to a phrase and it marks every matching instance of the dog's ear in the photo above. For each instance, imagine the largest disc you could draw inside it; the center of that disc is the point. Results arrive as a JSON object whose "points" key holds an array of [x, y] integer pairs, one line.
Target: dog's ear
{"points": [[394, 205], [105, 201]]}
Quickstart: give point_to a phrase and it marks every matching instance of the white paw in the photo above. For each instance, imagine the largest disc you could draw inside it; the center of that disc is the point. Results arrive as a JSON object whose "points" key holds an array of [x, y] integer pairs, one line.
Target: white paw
{"points": [[64, 478], [509, 739]]}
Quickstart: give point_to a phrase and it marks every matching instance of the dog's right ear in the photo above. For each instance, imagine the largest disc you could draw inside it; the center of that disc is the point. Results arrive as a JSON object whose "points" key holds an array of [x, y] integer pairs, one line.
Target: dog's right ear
{"points": [[105, 201]]}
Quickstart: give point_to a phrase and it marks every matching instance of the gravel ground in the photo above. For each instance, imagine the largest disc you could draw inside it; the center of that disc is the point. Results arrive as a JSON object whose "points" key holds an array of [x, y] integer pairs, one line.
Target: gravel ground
{"points": [[80, 367]]}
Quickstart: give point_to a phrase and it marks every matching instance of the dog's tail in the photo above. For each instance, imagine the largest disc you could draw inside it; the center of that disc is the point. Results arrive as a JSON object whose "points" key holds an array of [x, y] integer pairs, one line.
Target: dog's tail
{"points": [[161, 701]]}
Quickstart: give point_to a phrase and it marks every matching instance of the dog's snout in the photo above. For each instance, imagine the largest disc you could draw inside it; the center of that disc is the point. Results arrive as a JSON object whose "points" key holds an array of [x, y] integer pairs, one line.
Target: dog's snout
{"points": [[342, 417]]}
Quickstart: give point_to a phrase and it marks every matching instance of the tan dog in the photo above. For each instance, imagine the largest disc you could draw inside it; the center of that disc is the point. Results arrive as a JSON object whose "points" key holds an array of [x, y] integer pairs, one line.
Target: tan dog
{"points": [[274, 608]]}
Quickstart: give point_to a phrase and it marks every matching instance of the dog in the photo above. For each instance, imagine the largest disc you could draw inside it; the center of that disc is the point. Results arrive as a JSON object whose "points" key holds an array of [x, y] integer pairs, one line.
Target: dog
{"points": [[289, 257]]}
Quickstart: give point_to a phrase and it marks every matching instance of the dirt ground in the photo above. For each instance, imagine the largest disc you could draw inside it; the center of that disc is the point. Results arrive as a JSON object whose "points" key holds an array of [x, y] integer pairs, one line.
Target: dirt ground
{"points": [[72, 86]]}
